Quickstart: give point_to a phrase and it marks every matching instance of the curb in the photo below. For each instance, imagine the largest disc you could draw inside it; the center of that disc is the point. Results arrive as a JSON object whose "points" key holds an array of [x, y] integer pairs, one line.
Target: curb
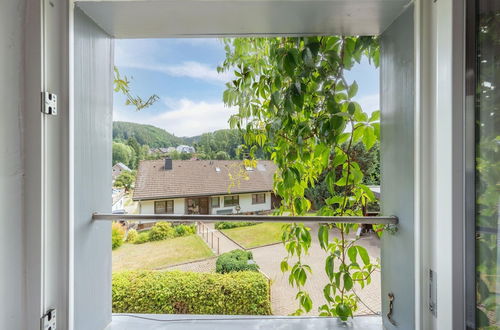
{"points": [[185, 263]]}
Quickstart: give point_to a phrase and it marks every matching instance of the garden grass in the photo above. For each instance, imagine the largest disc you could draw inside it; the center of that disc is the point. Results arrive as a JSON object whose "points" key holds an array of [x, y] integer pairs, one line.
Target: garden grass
{"points": [[254, 236], [160, 254]]}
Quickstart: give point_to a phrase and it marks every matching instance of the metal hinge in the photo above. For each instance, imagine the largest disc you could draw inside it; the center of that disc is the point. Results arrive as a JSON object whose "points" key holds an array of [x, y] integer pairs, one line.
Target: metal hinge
{"points": [[48, 320], [49, 103]]}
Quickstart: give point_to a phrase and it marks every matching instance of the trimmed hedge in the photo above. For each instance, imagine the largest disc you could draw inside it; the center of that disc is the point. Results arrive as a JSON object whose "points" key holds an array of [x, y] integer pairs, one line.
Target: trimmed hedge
{"points": [[176, 292], [229, 225], [235, 261]]}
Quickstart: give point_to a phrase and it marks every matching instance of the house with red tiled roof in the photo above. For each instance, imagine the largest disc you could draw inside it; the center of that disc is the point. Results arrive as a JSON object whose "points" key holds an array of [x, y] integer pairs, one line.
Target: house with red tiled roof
{"points": [[204, 187]]}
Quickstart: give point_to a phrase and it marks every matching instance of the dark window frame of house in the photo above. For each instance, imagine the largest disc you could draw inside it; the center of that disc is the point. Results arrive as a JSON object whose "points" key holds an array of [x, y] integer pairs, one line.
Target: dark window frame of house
{"points": [[212, 199], [232, 199], [166, 207], [255, 198]]}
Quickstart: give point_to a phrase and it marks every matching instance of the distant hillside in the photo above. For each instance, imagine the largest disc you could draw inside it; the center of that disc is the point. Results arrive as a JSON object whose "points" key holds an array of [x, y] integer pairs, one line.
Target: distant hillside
{"points": [[152, 136]]}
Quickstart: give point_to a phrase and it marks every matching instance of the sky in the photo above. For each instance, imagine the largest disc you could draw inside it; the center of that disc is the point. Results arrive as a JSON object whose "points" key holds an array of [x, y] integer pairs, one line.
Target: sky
{"points": [[182, 72]]}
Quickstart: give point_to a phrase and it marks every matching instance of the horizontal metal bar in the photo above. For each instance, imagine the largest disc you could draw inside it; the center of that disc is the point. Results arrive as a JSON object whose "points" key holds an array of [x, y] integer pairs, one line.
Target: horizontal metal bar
{"points": [[374, 220]]}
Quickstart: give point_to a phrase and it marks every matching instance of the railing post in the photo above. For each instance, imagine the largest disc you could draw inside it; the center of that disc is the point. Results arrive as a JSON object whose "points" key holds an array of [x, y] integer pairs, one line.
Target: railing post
{"points": [[218, 252], [212, 243]]}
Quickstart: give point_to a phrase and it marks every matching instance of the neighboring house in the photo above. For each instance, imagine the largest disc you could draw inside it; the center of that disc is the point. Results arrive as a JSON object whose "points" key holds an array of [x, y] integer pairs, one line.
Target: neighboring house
{"points": [[203, 187], [118, 197], [118, 168], [185, 149]]}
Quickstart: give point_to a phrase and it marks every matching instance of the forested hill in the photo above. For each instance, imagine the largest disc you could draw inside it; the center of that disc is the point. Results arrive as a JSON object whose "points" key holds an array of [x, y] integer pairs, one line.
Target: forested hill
{"points": [[149, 135], [221, 144]]}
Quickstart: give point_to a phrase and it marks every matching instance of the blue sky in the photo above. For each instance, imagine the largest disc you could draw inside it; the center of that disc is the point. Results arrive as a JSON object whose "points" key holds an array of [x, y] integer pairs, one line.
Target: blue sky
{"points": [[182, 72]]}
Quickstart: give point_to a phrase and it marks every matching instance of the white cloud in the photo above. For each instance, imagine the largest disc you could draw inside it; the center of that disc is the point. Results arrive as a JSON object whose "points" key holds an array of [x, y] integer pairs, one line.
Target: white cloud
{"points": [[195, 70], [369, 103], [184, 118], [190, 69]]}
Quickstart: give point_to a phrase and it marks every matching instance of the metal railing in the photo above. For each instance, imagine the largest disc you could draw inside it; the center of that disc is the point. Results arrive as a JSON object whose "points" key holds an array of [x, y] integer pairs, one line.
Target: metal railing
{"points": [[368, 220]]}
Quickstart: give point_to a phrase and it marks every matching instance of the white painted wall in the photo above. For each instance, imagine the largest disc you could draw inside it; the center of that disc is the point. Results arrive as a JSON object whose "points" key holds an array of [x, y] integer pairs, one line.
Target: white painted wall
{"points": [[148, 207], [12, 238], [245, 204]]}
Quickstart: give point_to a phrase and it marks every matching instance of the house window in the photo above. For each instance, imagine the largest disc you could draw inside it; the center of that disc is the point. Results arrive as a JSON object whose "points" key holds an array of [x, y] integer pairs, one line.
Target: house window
{"points": [[232, 200], [258, 198], [215, 202], [164, 207]]}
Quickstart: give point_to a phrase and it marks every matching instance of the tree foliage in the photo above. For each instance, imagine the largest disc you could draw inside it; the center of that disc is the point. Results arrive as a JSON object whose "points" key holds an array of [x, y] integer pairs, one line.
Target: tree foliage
{"points": [[126, 180], [488, 169], [295, 103], [148, 135], [122, 153]]}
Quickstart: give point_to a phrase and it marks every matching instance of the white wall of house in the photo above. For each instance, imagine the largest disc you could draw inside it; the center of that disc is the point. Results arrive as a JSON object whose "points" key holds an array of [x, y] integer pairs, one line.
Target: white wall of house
{"points": [[118, 205], [245, 204], [148, 207]]}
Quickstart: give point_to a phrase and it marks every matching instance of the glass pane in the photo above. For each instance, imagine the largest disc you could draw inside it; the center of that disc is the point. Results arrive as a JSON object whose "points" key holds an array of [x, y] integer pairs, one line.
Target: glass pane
{"points": [[488, 165]]}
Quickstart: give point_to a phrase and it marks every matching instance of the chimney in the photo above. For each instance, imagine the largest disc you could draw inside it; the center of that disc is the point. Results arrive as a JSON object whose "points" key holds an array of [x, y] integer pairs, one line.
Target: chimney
{"points": [[168, 163]]}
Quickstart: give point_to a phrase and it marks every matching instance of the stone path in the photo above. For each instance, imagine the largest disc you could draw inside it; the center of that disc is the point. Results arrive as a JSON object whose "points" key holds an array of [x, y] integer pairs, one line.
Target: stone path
{"points": [[282, 294]]}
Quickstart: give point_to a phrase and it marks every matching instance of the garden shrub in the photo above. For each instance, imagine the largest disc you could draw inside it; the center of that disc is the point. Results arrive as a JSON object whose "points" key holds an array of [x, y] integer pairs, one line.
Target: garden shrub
{"points": [[176, 292], [184, 230], [160, 231], [229, 225], [117, 235], [235, 261], [132, 235], [142, 237]]}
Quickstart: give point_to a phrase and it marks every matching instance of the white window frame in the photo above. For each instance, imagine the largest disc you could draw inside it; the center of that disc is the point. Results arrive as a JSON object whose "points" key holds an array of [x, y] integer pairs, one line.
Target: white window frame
{"points": [[437, 66]]}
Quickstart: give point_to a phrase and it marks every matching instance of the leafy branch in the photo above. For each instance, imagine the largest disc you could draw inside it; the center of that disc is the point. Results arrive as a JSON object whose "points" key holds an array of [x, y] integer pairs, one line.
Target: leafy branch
{"points": [[122, 85], [295, 102]]}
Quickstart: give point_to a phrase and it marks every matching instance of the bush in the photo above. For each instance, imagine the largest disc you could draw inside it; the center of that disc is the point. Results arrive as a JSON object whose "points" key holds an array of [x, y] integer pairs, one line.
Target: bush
{"points": [[161, 231], [132, 235], [176, 292], [229, 225], [117, 235], [142, 237], [235, 261], [184, 230]]}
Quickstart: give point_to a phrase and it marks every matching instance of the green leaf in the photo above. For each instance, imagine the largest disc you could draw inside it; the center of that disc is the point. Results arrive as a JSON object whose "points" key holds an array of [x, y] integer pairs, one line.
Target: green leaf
{"points": [[353, 90], [343, 311], [284, 266], [329, 263], [323, 236], [347, 281], [352, 253], [363, 254], [369, 137], [375, 116]]}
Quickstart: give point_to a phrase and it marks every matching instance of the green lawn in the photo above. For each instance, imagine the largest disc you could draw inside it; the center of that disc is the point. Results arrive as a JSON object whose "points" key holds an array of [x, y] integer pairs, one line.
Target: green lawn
{"points": [[258, 235], [154, 255]]}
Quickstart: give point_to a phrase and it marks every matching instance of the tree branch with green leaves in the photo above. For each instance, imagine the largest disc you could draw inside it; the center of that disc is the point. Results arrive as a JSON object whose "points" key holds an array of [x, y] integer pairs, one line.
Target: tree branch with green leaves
{"points": [[295, 103]]}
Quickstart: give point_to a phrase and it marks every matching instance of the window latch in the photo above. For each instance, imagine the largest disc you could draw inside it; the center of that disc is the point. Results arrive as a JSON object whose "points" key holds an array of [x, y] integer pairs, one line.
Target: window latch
{"points": [[391, 307], [48, 320]]}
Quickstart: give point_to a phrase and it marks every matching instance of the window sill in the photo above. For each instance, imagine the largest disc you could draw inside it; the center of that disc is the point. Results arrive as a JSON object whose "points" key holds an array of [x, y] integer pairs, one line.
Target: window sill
{"points": [[210, 322]]}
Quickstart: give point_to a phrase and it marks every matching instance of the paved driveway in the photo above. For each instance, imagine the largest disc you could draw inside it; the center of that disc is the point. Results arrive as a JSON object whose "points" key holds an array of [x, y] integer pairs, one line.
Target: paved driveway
{"points": [[282, 294]]}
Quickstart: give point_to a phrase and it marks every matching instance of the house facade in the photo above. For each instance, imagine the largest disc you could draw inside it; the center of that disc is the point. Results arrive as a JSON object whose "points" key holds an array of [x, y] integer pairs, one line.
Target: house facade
{"points": [[118, 168], [204, 187]]}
